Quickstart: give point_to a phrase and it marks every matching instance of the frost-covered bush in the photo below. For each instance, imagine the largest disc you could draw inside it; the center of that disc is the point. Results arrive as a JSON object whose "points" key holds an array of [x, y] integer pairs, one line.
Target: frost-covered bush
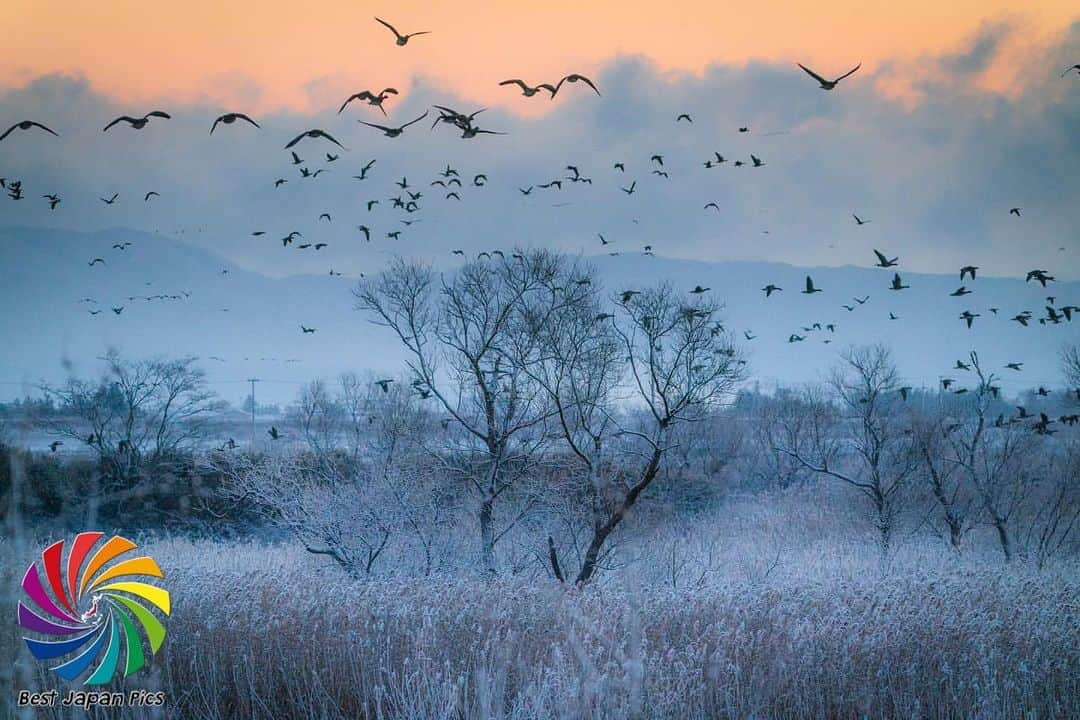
{"points": [[266, 632]]}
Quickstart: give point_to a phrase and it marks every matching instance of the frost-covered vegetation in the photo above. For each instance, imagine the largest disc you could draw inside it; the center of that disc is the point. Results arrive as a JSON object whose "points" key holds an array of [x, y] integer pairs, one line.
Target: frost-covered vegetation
{"points": [[779, 610], [560, 512]]}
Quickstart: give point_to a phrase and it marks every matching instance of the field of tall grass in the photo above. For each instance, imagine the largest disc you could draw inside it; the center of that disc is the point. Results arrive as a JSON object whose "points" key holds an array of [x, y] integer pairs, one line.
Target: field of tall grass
{"points": [[757, 613]]}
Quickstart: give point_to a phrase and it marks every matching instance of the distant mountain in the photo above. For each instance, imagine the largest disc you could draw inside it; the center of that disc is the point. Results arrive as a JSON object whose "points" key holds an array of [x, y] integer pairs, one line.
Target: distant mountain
{"points": [[45, 273]]}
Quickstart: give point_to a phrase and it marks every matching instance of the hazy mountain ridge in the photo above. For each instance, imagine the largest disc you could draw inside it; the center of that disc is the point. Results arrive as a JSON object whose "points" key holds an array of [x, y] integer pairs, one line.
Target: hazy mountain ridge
{"points": [[263, 317]]}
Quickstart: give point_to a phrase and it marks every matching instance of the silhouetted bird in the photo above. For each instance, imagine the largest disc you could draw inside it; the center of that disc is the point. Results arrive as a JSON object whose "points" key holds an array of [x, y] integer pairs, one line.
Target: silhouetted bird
{"points": [[528, 90], [810, 289], [372, 98], [1039, 275], [575, 78], [26, 125], [827, 84], [314, 133], [400, 39], [393, 132], [138, 123], [230, 118], [884, 262]]}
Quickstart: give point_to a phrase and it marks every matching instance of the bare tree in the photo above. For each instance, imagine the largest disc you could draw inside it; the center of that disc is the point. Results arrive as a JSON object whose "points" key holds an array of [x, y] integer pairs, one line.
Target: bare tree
{"points": [[578, 364], [141, 413], [1070, 366], [680, 363], [1049, 527], [342, 516], [319, 416], [353, 396], [468, 337], [994, 456], [767, 421], [864, 444], [952, 497], [399, 429]]}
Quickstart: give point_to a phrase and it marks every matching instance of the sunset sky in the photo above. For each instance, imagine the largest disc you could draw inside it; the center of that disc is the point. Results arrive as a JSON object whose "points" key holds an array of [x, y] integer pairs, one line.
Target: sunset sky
{"points": [[302, 56], [958, 114]]}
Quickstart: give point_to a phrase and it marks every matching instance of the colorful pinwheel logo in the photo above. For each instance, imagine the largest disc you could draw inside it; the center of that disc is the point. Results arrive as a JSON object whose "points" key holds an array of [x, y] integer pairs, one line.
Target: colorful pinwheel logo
{"points": [[95, 610]]}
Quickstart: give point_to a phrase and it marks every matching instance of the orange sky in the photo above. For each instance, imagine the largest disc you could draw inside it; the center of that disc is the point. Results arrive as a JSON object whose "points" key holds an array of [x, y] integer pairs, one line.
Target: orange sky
{"points": [[141, 50]]}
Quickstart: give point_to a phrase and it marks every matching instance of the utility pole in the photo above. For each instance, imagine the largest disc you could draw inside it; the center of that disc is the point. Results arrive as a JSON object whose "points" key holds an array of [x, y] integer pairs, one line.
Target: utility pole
{"points": [[253, 381]]}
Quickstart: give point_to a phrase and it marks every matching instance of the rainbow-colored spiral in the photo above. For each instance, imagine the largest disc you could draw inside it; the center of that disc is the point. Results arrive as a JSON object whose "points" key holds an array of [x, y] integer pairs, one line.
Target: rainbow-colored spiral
{"points": [[94, 609]]}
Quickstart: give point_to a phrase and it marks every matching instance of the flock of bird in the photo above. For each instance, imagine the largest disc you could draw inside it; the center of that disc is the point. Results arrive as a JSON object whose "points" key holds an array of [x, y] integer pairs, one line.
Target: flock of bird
{"points": [[452, 184]]}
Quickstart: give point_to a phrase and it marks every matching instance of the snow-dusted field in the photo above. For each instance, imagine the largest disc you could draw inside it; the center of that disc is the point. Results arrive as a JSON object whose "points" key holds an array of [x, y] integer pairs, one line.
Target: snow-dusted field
{"points": [[760, 615]]}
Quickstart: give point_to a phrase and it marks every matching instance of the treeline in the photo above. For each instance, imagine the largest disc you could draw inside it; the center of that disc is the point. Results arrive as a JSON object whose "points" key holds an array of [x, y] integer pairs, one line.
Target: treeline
{"points": [[533, 429]]}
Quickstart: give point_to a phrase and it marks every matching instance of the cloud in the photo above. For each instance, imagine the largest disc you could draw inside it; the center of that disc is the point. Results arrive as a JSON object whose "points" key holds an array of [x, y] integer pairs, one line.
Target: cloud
{"points": [[935, 178]]}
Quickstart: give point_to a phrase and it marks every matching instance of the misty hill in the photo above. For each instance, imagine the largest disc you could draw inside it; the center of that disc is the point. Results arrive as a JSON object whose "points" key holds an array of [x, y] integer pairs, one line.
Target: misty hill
{"points": [[252, 321]]}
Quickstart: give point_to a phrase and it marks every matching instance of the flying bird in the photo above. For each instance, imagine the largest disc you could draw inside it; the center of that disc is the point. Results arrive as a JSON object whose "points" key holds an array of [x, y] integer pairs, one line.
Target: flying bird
{"points": [[770, 289], [1014, 211], [111, 200], [884, 262], [828, 84], [859, 220], [810, 289], [393, 132], [1039, 275], [968, 270], [306, 330], [400, 39], [1067, 71], [230, 118], [897, 284], [528, 90], [26, 125], [574, 78], [152, 193], [372, 98], [314, 133], [138, 123], [686, 117]]}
